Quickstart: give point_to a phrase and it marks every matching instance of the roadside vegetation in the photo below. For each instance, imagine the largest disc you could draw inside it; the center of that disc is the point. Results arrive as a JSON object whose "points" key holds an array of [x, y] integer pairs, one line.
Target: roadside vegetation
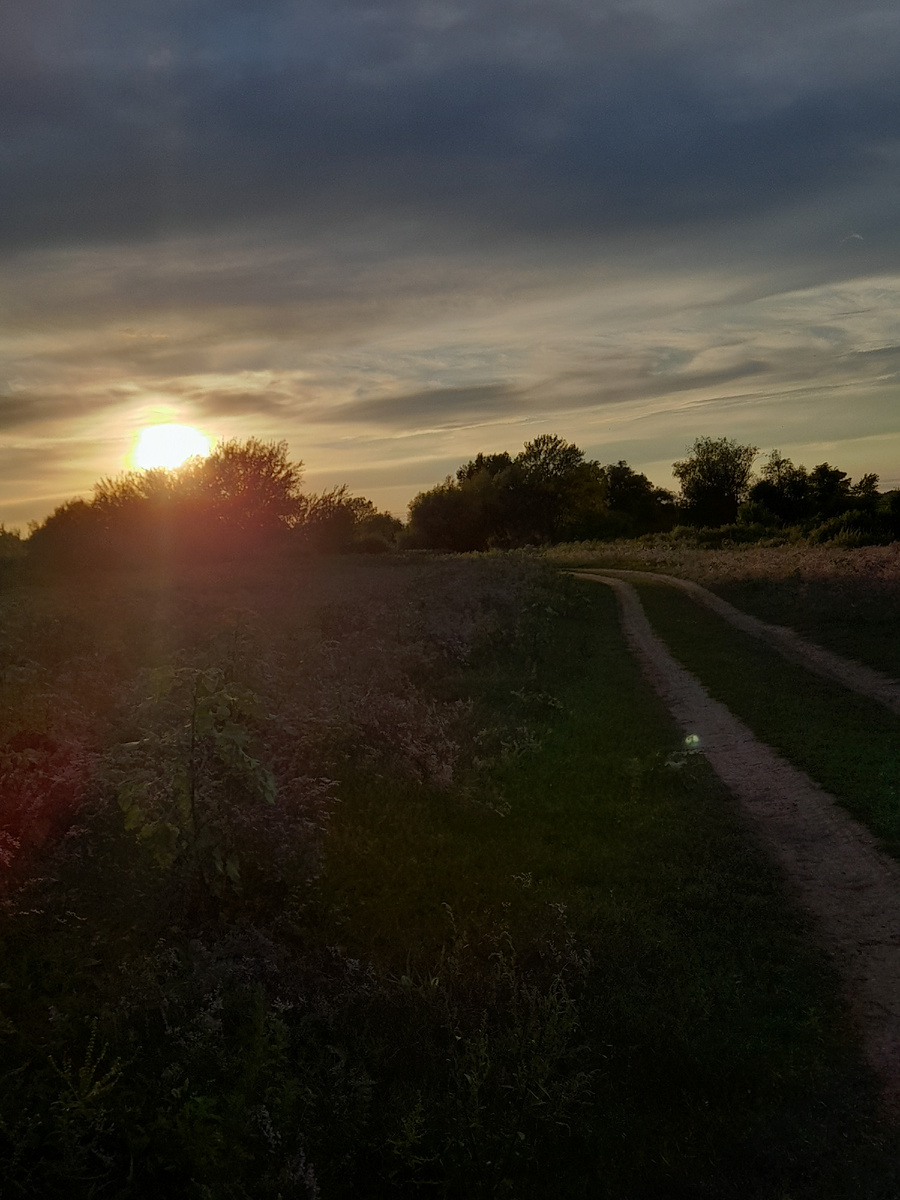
{"points": [[390, 878], [845, 742], [245, 500], [846, 598]]}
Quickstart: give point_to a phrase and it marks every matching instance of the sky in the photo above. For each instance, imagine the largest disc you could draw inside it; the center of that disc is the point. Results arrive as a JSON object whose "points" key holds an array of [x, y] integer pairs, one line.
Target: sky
{"points": [[398, 233]]}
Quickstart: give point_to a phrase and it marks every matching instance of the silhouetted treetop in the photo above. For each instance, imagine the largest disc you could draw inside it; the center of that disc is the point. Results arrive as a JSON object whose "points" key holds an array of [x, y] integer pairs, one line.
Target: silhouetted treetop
{"points": [[715, 479], [491, 464], [243, 499], [550, 458], [252, 485], [549, 492]]}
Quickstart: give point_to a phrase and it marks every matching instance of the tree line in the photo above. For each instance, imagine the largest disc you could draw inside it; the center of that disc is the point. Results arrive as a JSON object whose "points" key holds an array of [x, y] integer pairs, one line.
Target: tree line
{"points": [[550, 492], [246, 499]]}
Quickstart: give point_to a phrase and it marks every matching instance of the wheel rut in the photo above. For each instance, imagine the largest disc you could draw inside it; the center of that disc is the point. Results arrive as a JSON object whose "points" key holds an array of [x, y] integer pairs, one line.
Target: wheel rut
{"points": [[831, 862], [834, 667]]}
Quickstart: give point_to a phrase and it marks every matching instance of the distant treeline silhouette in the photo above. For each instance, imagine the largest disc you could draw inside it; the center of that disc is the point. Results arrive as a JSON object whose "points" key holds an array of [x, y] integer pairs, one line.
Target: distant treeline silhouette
{"points": [[547, 493], [243, 500], [550, 492], [246, 500]]}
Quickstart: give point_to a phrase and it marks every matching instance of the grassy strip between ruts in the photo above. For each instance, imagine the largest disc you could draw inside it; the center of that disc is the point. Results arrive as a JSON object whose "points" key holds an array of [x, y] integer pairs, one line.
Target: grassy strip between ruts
{"points": [[845, 598], [717, 1053], [855, 616], [847, 743]]}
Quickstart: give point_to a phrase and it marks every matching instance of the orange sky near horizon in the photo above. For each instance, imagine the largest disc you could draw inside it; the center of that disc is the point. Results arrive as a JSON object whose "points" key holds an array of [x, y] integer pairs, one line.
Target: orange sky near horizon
{"points": [[395, 235]]}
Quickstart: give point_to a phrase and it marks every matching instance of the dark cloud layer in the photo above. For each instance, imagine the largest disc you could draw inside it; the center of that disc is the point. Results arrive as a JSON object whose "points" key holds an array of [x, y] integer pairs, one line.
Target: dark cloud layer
{"points": [[437, 406], [554, 117], [393, 230]]}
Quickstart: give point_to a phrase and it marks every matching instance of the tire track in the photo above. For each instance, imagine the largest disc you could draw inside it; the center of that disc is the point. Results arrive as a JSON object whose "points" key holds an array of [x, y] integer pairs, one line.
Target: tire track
{"points": [[832, 862], [833, 667]]}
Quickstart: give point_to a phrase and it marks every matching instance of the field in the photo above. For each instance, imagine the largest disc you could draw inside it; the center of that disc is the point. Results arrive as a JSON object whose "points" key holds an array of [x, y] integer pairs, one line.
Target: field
{"points": [[844, 598], [394, 879]]}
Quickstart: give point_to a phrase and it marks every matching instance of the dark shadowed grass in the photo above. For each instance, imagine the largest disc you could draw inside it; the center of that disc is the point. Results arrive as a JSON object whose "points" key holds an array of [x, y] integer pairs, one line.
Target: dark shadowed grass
{"points": [[719, 1056], [565, 972], [855, 616], [848, 744]]}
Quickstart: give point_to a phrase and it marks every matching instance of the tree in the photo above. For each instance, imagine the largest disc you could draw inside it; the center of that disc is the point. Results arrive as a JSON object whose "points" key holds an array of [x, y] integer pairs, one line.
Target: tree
{"points": [[865, 488], [549, 459], [829, 491], [548, 493], [375, 530], [237, 501], [782, 491], [11, 545], [561, 495], [250, 486], [447, 517], [337, 522], [70, 537], [635, 505], [714, 479], [491, 464], [793, 495]]}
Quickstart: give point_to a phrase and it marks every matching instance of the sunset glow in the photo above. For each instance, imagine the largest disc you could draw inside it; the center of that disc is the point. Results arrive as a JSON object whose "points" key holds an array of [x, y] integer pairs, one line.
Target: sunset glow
{"points": [[628, 224], [168, 446]]}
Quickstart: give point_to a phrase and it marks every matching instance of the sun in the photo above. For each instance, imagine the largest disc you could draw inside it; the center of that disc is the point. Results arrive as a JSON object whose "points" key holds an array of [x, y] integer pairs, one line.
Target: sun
{"points": [[167, 446]]}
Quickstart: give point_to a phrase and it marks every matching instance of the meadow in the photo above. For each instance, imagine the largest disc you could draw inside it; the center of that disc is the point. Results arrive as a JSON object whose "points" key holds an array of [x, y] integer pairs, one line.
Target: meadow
{"points": [[351, 878]]}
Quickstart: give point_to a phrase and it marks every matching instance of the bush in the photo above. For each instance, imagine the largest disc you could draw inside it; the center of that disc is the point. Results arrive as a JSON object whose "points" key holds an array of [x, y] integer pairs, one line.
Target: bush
{"points": [[857, 527]]}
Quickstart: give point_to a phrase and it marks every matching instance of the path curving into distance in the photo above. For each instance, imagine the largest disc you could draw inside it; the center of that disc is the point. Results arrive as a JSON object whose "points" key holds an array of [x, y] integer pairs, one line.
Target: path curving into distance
{"points": [[831, 862], [833, 667]]}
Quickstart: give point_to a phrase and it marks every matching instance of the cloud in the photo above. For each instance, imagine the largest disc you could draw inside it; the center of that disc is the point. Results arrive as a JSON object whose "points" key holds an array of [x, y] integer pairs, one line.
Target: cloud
{"points": [[436, 407], [26, 410], [14, 411], [393, 231], [502, 121]]}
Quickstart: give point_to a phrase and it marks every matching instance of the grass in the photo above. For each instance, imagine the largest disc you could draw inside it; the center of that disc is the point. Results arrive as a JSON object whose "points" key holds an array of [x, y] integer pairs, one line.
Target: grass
{"points": [[720, 1060], [567, 971], [845, 598], [856, 617], [846, 743]]}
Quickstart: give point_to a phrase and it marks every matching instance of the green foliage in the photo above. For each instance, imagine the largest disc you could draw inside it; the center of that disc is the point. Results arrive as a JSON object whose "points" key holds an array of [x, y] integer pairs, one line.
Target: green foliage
{"points": [[635, 505], [511, 1076], [451, 516], [250, 487], [823, 503], [243, 501], [855, 527], [539, 961], [548, 493], [714, 478], [337, 522], [236, 502], [180, 782], [12, 548]]}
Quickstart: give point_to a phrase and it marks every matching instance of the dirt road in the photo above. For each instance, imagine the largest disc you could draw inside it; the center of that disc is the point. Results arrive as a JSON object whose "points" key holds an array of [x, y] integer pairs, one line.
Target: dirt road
{"points": [[825, 663], [830, 861]]}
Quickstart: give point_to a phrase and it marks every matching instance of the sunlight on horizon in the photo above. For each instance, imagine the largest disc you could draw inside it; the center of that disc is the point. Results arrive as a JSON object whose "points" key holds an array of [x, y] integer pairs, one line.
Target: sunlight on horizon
{"points": [[167, 446]]}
